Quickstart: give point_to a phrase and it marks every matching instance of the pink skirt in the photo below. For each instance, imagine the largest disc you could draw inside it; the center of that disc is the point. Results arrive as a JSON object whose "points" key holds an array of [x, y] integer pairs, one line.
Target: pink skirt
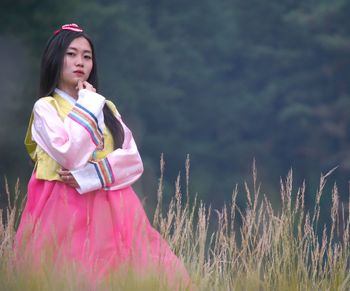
{"points": [[101, 231]]}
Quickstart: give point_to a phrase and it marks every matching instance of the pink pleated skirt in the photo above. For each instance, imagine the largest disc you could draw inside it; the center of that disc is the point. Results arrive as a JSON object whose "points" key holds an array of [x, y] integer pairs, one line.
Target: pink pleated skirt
{"points": [[100, 232]]}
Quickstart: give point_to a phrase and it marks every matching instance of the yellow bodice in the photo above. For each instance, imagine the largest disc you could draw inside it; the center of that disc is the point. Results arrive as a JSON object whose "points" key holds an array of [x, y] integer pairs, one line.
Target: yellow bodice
{"points": [[45, 166]]}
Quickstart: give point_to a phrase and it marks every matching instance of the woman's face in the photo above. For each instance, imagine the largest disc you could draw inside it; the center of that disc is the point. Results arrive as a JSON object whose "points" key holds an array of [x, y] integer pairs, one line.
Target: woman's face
{"points": [[77, 64]]}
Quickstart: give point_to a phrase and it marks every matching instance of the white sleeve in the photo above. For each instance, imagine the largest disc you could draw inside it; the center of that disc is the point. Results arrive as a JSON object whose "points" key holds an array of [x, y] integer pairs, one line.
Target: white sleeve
{"points": [[119, 169], [72, 141]]}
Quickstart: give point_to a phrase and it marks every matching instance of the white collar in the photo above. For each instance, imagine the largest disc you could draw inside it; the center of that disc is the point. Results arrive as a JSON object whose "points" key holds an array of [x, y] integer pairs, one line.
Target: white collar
{"points": [[66, 96]]}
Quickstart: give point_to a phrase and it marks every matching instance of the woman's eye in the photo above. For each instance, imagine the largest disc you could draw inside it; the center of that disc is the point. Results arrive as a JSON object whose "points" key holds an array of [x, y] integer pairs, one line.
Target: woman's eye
{"points": [[70, 53], [88, 57]]}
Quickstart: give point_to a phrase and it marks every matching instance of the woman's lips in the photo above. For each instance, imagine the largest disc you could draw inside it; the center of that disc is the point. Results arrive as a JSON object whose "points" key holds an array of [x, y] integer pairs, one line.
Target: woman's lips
{"points": [[80, 73]]}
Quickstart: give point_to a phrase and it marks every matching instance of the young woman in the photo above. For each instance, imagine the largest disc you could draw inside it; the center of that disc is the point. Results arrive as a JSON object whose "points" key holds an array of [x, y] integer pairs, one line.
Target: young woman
{"points": [[80, 206]]}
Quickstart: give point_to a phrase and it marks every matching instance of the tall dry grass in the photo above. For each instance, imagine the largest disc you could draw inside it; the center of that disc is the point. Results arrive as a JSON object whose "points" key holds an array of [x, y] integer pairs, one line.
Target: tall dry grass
{"points": [[270, 249]]}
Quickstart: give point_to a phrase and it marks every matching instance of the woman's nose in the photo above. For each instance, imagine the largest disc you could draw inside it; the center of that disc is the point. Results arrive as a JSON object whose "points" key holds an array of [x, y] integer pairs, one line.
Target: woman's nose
{"points": [[79, 61]]}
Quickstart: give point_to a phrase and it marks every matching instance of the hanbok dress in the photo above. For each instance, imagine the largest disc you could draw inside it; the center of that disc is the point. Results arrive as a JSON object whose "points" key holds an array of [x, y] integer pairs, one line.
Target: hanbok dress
{"points": [[100, 226]]}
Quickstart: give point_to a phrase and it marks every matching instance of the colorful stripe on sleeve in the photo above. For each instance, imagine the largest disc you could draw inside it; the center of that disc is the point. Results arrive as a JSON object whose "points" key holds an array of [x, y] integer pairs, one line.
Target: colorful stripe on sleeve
{"points": [[104, 171], [87, 120]]}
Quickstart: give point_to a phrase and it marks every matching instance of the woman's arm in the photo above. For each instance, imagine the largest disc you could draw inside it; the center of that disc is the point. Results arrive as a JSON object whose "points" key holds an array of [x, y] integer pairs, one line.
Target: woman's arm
{"points": [[119, 169], [70, 142]]}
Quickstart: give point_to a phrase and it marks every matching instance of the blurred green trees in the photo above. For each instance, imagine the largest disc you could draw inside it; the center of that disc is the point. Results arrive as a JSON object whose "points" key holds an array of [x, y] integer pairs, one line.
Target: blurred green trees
{"points": [[225, 81]]}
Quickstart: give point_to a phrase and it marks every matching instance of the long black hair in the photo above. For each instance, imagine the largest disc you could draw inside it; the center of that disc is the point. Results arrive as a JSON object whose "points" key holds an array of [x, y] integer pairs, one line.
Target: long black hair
{"points": [[51, 65]]}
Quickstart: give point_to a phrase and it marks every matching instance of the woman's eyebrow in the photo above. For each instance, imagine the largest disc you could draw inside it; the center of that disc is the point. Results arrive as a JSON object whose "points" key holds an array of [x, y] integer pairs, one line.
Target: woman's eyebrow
{"points": [[75, 49]]}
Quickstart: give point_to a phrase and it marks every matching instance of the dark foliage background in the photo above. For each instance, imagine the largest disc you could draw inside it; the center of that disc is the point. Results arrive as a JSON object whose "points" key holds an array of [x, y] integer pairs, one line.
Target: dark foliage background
{"points": [[226, 81]]}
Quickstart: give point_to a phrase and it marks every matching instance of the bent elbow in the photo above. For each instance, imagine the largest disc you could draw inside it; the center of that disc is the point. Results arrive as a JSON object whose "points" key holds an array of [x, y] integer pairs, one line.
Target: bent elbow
{"points": [[140, 165]]}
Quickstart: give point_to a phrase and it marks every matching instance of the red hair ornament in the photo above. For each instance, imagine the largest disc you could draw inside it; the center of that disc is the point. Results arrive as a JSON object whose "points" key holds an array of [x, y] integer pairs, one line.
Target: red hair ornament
{"points": [[71, 27]]}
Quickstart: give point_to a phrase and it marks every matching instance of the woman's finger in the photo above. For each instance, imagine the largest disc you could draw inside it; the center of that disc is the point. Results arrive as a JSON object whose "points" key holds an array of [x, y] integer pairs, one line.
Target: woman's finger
{"points": [[80, 85], [63, 172], [88, 86], [68, 178]]}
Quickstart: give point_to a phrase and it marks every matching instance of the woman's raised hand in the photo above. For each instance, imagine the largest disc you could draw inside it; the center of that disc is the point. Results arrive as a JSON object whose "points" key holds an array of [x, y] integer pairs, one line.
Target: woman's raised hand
{"points": [[85, 85]]}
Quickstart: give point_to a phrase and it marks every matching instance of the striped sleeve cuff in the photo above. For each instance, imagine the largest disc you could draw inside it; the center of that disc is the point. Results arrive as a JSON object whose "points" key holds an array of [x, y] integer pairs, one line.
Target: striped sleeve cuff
{"points": [[104, 172], [89, 122], [87, 179]]}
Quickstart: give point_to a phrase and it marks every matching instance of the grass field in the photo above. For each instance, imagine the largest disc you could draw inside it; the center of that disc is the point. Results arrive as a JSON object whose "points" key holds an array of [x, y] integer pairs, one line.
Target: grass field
{"points": [[270, 249]]}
